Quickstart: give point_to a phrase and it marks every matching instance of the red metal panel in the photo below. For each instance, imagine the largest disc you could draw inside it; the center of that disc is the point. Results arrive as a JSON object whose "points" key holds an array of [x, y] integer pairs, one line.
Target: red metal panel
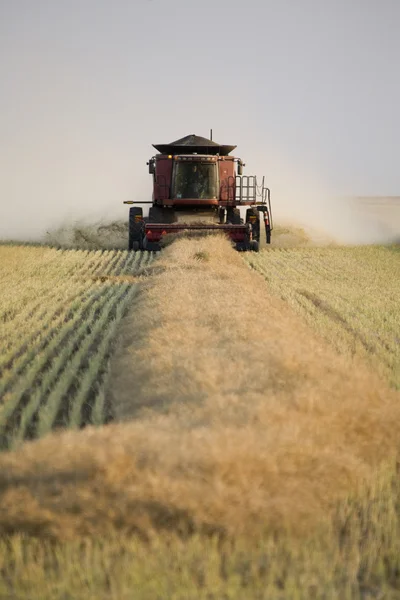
{"points": [[227, 179], [191, 202], [163, 178]]}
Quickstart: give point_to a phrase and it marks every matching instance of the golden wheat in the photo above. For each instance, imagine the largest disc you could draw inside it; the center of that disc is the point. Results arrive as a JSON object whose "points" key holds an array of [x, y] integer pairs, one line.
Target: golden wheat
{"points": [[244, 420], [245, 424]]}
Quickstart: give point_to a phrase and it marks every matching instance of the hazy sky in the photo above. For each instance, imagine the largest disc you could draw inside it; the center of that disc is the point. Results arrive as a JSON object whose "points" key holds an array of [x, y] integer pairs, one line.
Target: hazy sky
{"points": [[309, 90]]}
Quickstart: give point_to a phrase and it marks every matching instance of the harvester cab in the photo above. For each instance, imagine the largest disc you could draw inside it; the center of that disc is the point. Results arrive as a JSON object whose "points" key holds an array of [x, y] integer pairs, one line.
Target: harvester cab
{"points": [[199, 186]]}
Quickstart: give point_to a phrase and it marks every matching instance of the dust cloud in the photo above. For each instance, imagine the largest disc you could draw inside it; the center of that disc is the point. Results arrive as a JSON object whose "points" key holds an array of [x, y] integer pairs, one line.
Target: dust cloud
{"points": [[110, 235], [40, 195], [66, 200], [301, 198]]}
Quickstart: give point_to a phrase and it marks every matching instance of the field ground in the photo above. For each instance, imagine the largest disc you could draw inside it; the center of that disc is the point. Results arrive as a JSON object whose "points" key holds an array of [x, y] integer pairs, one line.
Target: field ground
{"points": [[256, 460]]}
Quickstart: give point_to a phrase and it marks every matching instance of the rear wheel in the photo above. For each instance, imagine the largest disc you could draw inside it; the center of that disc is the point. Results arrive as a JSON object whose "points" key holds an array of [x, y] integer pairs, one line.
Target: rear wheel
{"points": [[254, 246], [135, 228], [253, 217], [233, 216], [151, 246]]}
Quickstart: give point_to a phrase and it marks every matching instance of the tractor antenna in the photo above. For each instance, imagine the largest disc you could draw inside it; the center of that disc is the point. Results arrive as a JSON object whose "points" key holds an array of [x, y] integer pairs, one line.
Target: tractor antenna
{"points": [[211, 134]]}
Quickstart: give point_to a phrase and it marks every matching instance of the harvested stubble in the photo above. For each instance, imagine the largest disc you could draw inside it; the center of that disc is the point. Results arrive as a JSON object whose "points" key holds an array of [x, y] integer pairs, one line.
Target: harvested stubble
{"points": [[348, 295], [244, 421], [59, 313]]}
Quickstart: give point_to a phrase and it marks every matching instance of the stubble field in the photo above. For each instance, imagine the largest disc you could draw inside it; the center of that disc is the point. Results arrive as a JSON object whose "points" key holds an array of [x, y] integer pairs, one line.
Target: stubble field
{"points": [[255, 445], [348, 295], [59, 311]]}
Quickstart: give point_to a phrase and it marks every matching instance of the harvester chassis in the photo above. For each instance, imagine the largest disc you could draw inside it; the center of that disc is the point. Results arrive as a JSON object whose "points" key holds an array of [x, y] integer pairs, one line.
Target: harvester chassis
{"points": [[146, 234]]}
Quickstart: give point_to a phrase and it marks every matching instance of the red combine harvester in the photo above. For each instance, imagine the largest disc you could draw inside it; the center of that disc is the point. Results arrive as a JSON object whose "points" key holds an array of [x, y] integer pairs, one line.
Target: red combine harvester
{"points": [[198, 186]]}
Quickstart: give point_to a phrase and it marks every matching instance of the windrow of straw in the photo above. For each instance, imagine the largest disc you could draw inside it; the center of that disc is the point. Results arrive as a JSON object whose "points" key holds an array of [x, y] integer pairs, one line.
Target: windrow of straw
{"points": [[234, 418]]}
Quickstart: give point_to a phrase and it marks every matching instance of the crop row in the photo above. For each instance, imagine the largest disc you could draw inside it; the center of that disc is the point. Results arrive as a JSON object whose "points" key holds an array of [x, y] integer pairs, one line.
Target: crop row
{"points": [[349, 295], [56, 344]]}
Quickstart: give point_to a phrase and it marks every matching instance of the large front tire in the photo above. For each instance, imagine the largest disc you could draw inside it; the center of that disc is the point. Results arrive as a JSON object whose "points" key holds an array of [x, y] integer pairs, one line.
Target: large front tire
{"points": [[135, 228], [253, 217]]}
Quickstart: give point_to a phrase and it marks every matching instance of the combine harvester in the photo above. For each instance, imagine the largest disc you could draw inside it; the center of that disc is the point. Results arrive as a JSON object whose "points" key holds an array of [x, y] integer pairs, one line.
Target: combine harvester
{"points": [[198, 186]]}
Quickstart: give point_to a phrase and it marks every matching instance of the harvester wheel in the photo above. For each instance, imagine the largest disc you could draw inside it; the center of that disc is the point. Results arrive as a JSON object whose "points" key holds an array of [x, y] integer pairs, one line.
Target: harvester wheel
{"points": [[252, 217], [254, 246], [233, 216], [135, 228]]}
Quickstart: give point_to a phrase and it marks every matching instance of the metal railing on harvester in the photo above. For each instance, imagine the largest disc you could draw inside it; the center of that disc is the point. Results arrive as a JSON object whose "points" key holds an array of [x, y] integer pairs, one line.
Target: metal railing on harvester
{"points": [[245, 190]]}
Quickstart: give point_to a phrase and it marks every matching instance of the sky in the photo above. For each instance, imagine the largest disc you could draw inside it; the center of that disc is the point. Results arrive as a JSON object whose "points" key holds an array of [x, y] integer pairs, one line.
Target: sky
{"points": [[307, 89]]}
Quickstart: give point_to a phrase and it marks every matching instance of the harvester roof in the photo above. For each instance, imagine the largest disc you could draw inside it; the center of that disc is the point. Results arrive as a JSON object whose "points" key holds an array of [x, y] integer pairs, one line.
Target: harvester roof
{"points": [[194, 144]]}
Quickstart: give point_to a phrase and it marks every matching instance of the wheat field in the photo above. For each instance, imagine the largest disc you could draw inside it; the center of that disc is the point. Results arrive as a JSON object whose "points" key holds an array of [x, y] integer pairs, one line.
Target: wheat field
{"points": [[59, 313], [348, 295], [254, 447]]}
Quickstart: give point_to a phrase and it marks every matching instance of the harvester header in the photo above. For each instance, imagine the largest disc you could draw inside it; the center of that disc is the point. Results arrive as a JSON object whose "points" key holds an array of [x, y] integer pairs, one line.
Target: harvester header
{"points": [[198, 185]]}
